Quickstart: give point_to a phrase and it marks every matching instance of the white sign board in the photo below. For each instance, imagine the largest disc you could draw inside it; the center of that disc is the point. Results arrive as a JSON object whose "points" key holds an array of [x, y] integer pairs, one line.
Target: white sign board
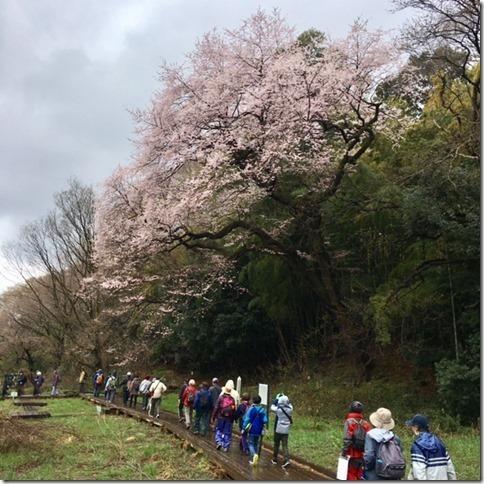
{"points": [[342, 472], [264, 393], [239, 385], [13, 394]]}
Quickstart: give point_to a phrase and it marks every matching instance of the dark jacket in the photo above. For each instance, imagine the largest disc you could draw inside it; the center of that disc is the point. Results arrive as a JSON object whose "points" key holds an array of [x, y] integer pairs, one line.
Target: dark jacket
{"points": [[203, 401], [215, 391]]}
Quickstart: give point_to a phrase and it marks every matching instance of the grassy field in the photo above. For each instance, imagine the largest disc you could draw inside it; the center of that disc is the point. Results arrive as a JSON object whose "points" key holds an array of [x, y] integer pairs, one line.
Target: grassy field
{"points": [[92, 447], [320, 408]]}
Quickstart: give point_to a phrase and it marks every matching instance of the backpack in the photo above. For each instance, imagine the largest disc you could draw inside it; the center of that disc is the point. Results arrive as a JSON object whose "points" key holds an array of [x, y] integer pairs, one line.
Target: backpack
{"points": [[359, 435], [203, 400], [190, 398], [112, 384], [390, 463], [100, 379], [227, 406]]}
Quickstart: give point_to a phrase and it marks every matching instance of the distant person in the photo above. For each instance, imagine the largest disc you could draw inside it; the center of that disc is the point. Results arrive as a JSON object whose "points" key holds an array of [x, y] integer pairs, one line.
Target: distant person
{"points": [[38, 381], [55, 383], [240, 412], [144, 391], [8, 384], [430, 460], [188, 401], [354, 436], [224, 416], [283, 410], [110, 388], [203, 409], [98, 382], [254, 424], [157, 388], [133, 389], [82, 382], [124, 387], [381, 442], [215, 391], [21, 382], [181, 415]]}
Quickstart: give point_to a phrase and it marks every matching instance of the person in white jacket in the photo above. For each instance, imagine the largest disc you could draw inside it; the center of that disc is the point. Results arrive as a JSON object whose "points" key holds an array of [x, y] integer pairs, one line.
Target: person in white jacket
{"points": [[157, 388], [430, 460]]}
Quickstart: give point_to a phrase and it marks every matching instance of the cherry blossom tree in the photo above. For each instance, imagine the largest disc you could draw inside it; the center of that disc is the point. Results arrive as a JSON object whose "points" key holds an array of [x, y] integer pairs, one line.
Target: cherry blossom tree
{"points": [[242, 146]]}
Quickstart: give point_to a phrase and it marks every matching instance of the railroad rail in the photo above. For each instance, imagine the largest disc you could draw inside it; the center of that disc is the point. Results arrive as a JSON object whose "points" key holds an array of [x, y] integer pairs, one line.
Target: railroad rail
{"points": [[234, 464]]}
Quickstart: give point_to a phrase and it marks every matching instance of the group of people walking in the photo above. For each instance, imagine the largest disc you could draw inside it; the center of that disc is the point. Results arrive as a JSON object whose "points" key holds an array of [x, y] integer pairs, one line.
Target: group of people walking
{"points": [[213, 406], [18, 383], [374, 451]]}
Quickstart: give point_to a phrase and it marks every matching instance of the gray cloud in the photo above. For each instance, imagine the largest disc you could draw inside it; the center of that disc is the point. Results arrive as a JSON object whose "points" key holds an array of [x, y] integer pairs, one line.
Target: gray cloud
{"points": [[71, 70]]}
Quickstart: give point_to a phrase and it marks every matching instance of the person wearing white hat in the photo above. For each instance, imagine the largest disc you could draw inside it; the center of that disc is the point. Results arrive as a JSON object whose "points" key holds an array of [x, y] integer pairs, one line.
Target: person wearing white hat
{"points": [[381, 435]]}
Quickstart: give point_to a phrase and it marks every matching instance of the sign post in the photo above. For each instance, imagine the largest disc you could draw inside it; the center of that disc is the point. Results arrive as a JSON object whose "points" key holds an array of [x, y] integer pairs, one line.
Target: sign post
{"points": [[239, 385]]}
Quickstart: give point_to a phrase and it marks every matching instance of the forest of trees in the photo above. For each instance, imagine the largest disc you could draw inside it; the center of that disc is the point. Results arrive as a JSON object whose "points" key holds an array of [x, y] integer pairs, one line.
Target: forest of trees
{"points": [[294, 200]]}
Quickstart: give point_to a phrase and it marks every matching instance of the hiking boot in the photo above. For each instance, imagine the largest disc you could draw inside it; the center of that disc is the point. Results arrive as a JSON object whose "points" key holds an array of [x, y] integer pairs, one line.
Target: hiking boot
{"points": [[225, 449], [286, 464], [219, 446], [158, 415], [255, 459], [274, 461]]}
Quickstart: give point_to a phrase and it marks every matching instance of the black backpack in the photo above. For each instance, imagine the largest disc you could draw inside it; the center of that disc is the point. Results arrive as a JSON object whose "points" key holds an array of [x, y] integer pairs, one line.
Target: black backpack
{"points": [[390, 463], [359, 436]]}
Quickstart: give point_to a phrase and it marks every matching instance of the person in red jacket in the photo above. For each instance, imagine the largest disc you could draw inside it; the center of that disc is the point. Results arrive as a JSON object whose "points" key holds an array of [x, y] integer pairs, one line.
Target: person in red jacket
{"points": [[188, 401], [355, 430]]}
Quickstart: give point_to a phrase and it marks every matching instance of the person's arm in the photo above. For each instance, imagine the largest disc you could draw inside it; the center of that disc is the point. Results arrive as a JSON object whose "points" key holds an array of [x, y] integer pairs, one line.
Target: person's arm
{"points": [[273, 408], [347, 438], [419, 463], [369, 455], [451, 475]]}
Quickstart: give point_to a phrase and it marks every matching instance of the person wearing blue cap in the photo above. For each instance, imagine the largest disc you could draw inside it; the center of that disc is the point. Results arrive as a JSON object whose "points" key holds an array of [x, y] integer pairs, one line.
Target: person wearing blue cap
{"points": [[430, 460]]}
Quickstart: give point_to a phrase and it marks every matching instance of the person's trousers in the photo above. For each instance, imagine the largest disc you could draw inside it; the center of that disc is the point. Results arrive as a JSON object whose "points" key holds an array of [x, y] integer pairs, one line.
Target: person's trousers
{"points": [[278, 439], [97, 389], [253, 441], [202, 418], [188, 413], [355, 470], [109, 395], [133, 400], [55, 391], [181, 415], [146, 399], [155, 406], [243, 444], [125, 396], [223, 432]]}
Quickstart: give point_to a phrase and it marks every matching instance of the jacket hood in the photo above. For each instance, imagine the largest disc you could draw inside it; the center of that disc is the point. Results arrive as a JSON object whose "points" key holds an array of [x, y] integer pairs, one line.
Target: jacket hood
{"points": [[428, 442], [381, 435], [283, 400], [229, 386]]}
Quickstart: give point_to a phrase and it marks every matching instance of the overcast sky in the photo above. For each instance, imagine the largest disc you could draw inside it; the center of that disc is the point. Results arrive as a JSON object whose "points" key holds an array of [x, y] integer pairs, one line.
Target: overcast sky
{"points": [[71, 70]]}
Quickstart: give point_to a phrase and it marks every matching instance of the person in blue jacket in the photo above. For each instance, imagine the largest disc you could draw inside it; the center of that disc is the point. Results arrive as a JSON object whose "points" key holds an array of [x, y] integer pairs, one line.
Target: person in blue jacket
{"points": [[430, 460], [255, 421], [203, 409]]}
